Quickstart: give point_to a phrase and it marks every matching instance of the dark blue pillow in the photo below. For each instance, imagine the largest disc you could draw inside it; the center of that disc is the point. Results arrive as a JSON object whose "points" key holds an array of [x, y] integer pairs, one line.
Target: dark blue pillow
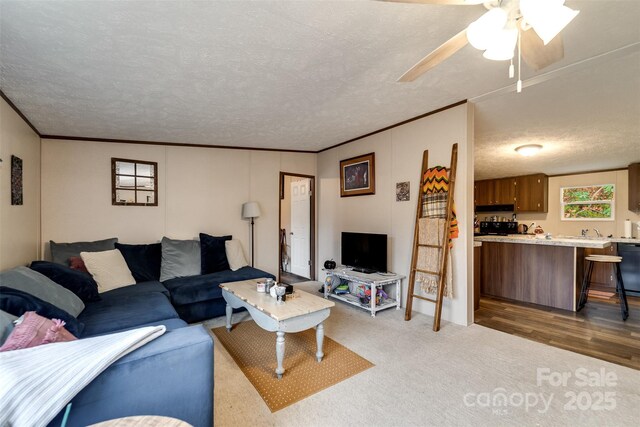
{"points": [[17, 303], [143, 260], [78, 282], [213, 256]]}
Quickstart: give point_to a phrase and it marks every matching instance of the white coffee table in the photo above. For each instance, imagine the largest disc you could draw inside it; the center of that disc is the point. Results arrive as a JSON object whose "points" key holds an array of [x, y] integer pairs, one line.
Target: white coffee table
{"points": [[301, 311]]}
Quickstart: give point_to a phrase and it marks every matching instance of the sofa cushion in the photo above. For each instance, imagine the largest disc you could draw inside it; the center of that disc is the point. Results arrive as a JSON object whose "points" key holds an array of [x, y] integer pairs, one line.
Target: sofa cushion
{"points": [[81, 284], [61, 252], [170, 324], [39, 285], [117, 312], [143, 260], [137, 289], [171, 376], [6, 325], [213, 253], [17, 302], [235, 255], [187, 290], [108, 269], [180, 258]]}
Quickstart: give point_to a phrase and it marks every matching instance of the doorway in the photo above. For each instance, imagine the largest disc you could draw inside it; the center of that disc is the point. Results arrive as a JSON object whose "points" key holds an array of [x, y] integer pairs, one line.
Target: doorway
{"points": [[296, 228]]}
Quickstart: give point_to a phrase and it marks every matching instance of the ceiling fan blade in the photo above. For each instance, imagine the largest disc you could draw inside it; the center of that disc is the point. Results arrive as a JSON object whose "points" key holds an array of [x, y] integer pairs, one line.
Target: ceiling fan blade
{"points": [[451, 2], [536, 54], [443, 52]]}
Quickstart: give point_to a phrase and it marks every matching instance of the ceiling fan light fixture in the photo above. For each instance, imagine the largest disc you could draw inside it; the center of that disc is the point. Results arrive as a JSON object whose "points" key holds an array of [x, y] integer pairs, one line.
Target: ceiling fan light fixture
{"points": [[547, 17], [528, 150], [504, 46], [483, 32]]}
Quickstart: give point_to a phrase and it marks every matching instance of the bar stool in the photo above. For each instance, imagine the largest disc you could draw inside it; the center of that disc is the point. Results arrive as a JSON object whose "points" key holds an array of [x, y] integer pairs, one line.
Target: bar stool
{"points": [[614, 261]]}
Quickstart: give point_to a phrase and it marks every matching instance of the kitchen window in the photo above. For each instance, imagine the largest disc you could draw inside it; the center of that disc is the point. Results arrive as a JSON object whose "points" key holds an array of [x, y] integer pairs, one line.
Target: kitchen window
{"points": [[587, 203], [134, 183]]}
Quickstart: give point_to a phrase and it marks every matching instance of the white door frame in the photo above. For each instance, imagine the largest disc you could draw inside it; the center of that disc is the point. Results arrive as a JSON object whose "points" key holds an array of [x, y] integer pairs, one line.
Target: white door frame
{"points": [[312, 222]]}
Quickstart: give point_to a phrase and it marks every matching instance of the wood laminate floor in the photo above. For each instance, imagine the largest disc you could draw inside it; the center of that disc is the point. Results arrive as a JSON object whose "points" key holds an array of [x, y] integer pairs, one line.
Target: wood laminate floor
{"points": [[290, 278], [597, 330]]}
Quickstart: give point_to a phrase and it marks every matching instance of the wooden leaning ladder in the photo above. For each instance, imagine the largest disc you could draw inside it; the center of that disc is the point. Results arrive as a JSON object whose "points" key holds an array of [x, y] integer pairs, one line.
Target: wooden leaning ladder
{"points": [[444, 248]]}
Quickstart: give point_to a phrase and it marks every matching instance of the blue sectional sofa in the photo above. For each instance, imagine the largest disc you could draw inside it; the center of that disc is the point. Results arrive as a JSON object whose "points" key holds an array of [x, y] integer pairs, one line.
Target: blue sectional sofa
{"points": [[170, 376]]}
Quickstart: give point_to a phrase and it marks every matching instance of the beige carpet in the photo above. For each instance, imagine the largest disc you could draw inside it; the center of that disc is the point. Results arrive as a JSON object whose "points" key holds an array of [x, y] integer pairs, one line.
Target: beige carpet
{"points": [[254, 350], [422, 378]]}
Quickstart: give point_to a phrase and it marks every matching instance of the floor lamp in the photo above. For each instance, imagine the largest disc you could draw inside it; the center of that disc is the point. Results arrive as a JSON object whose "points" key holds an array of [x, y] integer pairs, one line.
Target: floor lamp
{"points": [[251, 210]]}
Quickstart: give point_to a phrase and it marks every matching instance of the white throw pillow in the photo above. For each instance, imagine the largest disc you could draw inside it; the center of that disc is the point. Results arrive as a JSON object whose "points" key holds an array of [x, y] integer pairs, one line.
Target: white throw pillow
{"points": [[108, 268], [235, 256]]}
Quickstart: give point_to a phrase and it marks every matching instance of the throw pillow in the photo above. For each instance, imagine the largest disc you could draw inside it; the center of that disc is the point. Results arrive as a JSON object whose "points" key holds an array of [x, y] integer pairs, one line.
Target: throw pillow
{"points": [[6, 325], [17, 302], [33, 330], [180, 258], [235, 255], [108, 269], [76, 263], [61, 252], [77, 282], [214, 256], [39, 285], [143, 260]]}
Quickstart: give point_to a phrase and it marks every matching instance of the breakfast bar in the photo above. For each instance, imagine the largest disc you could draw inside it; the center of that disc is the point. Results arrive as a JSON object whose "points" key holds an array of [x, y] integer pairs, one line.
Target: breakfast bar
{"points": [[536, 269]]}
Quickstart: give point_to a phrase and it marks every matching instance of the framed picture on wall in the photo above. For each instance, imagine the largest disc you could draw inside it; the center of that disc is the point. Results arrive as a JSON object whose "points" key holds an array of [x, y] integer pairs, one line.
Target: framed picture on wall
{"points": [[16, 181], [357, 176]]}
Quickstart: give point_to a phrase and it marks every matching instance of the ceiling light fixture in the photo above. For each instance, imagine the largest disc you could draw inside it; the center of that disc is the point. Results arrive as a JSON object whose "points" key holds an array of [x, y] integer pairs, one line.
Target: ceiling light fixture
{"points": [[547, 17], [529, 149], [498, 31]]}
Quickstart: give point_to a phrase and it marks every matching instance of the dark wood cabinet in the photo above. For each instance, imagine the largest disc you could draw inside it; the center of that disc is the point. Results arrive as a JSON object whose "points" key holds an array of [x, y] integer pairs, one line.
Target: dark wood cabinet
{"points": [[532, 193], [634, 187], [494, 192], [505, 191], [484, 192], [477, 262], [602, 275], [528, 193], [539, 274]]}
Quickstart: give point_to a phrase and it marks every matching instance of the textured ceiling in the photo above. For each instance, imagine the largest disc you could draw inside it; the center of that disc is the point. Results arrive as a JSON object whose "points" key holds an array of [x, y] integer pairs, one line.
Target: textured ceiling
{"points": [[306, 75]]}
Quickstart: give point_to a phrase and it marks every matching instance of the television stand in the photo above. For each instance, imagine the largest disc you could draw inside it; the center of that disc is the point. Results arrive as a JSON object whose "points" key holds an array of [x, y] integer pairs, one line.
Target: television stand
{"points": [[372, 281], [363, 270]]}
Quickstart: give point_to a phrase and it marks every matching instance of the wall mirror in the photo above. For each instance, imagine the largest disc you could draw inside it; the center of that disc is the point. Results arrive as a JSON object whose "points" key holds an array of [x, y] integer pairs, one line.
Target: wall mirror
{"points": [[134, 182]]}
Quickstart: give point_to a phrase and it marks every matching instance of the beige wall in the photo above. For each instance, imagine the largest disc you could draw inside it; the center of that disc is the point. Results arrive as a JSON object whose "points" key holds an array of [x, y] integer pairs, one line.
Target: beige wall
{"points": [[398, 158], [19, 225], [551, 221], [199, 190]]}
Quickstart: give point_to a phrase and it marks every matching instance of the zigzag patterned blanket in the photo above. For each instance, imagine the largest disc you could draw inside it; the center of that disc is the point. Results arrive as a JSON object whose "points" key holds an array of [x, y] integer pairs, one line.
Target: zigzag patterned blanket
{"points": [[435, 192]]}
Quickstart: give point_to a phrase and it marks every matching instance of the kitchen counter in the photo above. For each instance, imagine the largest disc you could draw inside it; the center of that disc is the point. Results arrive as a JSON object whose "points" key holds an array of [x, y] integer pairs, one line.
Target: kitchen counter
{"points": [[531, 239]]}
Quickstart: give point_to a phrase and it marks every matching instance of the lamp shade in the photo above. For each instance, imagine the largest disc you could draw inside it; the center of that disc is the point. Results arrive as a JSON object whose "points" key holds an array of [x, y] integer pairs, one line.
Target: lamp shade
{"points": [[250, 210], [547, 17], [483, 32]]}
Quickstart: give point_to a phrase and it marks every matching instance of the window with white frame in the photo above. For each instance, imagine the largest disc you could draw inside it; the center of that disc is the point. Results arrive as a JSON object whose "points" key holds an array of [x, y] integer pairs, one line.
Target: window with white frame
{"points": [[588, 203]]}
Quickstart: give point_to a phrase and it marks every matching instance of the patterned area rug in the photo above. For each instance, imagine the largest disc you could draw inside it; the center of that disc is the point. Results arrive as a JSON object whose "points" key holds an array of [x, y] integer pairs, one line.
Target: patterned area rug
{"points": [[254, 350]]}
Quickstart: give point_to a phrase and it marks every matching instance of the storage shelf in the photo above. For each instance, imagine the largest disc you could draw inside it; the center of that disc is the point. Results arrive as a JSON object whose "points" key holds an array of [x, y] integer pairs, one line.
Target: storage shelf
{"points": [[375, 280], [355, 301]]}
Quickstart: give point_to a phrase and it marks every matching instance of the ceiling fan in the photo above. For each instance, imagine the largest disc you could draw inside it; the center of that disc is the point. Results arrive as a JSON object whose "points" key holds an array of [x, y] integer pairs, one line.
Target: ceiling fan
{"points": [[507, 24]]}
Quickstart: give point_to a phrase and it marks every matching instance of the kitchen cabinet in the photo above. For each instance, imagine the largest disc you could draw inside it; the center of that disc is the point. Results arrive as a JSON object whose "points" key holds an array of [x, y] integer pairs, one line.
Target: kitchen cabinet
{"points": [[494, 192], [483, 191], [532, 193], [602, 275], [634, 187]]}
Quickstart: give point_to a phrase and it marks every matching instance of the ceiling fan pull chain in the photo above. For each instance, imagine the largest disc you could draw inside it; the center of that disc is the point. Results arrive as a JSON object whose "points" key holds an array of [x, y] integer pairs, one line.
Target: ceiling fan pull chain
{"points": [[519, 83]]}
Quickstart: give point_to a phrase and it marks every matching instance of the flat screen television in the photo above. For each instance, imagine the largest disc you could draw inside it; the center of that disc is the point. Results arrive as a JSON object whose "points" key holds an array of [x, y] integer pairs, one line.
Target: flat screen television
{"points": [[365, 252]]}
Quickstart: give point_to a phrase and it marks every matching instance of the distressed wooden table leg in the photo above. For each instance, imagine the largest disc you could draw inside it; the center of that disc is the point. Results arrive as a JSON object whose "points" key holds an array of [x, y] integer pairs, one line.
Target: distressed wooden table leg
{"points": [[229, 312], [319, 340], [280, 353]]}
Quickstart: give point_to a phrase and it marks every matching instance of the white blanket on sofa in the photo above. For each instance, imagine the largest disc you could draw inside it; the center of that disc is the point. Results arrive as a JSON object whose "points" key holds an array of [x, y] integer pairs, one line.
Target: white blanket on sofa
{"points": [[36, 383]]}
